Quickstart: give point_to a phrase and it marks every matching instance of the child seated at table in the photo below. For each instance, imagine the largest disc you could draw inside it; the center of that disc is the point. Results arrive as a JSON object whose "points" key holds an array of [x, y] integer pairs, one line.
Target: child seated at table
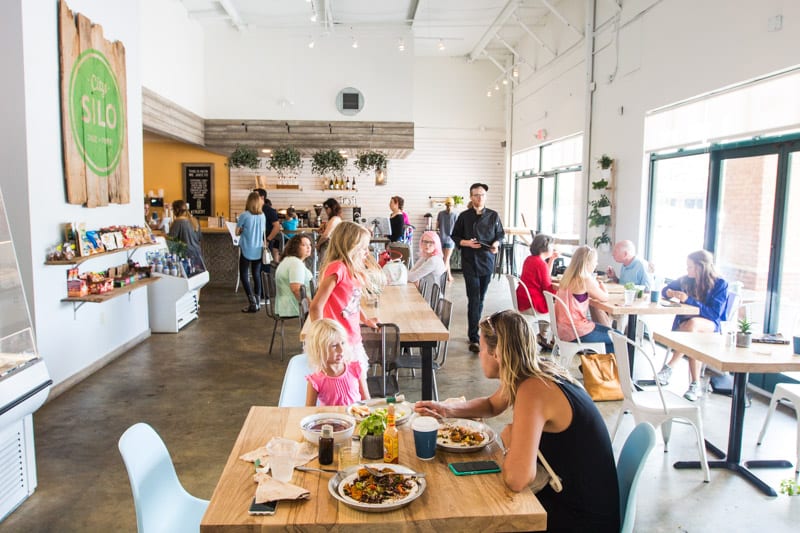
{"points": [[339, 379]]}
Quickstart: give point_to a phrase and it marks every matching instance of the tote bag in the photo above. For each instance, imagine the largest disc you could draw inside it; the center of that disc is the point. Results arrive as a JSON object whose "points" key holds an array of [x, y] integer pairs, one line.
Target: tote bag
{"points": [[396, 273], [601, 376]]}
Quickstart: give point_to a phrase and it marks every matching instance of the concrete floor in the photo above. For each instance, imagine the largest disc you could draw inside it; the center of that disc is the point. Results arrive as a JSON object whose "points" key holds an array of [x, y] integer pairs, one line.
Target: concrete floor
{"points": [[195, 389]]}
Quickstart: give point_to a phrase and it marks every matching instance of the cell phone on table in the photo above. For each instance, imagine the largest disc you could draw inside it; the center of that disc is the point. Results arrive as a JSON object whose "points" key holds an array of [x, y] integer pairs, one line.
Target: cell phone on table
{"points": [[469, 468], [266, 508]]}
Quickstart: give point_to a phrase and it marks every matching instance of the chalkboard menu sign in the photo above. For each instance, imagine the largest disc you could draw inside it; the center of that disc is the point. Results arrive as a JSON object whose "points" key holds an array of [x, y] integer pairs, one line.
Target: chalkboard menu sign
{"points": [[198, 188]]}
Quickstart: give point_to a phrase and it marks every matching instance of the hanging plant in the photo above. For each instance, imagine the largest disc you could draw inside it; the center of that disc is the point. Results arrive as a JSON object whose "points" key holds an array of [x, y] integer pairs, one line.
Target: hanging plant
{"points": [[371, 161], [243, 157], [458, 200], [605, 162], [327, 162], [285, 159]]}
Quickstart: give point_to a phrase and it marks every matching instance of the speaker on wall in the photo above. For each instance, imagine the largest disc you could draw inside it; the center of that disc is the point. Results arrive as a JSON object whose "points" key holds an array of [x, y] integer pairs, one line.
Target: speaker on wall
{"points": [[357, 215], [349, 101]]}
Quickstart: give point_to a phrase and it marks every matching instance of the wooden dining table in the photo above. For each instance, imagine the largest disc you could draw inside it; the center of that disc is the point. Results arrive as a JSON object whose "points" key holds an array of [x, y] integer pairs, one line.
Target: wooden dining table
{"points": [[449, 502], [419, 326], [763, 358]]}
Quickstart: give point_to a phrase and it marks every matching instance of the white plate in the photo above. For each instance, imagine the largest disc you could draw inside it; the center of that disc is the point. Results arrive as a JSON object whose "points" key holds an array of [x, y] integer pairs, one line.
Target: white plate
{"points": [[402, 412], [443, 442], [337, 483]]}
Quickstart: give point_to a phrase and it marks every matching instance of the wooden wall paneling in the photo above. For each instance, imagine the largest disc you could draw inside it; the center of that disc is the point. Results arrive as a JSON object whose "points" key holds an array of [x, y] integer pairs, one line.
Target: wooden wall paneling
{"points": [[166, 118], [74, 168]]}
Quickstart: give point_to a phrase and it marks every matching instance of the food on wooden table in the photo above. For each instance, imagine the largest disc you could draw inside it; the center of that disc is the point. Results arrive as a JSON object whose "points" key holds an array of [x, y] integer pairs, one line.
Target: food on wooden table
{"points": [[367, 488], [455, 435], [359, 410]]}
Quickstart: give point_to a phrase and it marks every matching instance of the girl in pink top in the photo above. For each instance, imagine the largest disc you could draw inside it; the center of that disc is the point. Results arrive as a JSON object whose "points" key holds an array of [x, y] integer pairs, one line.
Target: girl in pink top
{"points": [[578, 285], [348, 268], [337, 380]]}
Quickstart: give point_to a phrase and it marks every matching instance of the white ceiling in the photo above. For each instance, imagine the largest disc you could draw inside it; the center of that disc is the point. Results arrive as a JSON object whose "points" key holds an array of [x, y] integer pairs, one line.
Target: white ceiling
{"points": [[462, 26]]}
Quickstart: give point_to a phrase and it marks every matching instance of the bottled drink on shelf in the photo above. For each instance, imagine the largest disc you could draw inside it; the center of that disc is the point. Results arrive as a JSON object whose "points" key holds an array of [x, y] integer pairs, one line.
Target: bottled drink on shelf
{"points": [[347, 185], [354, 185], [330, 184]]}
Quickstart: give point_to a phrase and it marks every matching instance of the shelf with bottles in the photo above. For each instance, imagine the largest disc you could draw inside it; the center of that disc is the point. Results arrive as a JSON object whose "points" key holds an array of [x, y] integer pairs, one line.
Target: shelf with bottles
{"points": [[346, 184], [169, 263]]}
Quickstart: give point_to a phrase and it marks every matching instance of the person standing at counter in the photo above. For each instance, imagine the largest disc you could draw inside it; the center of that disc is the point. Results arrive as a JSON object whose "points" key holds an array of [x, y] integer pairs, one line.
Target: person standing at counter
{"points": [[334, 213], [186, 229], [273, 227], [398, 220], [250, 228], [477, 233], [445, 221]]}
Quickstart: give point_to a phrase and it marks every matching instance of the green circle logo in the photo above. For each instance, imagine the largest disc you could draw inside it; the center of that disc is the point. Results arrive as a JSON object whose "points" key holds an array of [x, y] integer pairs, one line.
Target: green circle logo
{"points": [[96, 114]]}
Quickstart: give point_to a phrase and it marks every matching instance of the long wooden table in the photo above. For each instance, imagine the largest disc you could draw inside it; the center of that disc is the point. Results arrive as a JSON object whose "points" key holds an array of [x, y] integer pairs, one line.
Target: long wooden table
{"points": [[765, 358], [419, 326], [467, 503]]}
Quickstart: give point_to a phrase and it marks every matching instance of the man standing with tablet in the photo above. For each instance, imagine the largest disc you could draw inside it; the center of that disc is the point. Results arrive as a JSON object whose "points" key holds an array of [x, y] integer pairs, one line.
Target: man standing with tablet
{"points": [[477, 233]]}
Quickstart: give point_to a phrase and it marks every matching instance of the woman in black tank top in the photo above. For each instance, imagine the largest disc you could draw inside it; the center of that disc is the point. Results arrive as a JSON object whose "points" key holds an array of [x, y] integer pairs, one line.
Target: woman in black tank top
{"points": [[552, 413]]}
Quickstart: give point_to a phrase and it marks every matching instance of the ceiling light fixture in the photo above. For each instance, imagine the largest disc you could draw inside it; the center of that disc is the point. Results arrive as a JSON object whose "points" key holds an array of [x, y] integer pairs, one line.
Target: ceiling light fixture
{"points": [[311, 43], [401, 45], [440, 46], [489, 93], [313, 17], [266, 151], [496, 86], [505, 81], [355, 43], [515, 72]]}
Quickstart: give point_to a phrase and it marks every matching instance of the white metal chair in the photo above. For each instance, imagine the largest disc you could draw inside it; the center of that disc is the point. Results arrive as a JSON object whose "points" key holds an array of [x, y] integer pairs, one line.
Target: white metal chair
{"points": [[629, 469], [162, 504], [785, 391], [657, 407], [293, 390], [567, 350]]}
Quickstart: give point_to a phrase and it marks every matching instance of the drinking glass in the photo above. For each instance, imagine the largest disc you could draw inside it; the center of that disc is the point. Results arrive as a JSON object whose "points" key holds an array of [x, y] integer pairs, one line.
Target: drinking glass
{"points": [[282, 453]]}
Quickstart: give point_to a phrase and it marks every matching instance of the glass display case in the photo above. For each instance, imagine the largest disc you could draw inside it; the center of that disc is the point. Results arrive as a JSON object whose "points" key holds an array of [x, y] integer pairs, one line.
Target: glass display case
{"points": [[174, 301], [24, 380]]}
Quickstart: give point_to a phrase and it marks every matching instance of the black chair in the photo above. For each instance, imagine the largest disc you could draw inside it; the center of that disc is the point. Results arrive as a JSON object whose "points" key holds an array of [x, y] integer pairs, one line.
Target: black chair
{"points": [[444, 310], [270, 291], [383, 349], [443, 285]]}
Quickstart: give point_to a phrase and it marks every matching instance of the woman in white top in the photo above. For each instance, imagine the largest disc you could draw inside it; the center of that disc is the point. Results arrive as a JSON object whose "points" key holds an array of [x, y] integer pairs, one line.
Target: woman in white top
{"points": [[430, 262], [292, 274]]}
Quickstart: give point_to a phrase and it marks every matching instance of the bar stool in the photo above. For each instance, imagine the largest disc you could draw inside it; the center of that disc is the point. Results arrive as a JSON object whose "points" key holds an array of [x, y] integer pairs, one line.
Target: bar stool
{"points": [[785, 391], [505, 260]]}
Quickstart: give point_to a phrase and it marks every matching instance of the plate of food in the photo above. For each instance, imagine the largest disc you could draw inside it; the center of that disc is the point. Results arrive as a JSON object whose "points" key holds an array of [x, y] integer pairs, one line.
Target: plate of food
{"points": [[359, 489], [462, 435], [402, 411]]}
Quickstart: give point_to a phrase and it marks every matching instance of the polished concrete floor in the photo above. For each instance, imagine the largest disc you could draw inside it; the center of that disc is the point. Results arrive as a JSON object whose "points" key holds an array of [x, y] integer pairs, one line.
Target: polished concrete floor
{"points": [[195, 389]]}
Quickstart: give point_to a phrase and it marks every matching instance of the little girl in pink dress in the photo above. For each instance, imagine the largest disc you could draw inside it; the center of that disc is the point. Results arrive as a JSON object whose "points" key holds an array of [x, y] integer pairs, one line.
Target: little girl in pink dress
{"points": [[337, 379]]}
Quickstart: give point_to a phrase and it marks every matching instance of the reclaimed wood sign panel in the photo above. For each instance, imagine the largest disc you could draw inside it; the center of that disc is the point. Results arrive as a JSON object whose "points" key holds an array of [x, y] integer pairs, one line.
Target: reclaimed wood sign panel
{"points": [[198, 185], [93, 112]]}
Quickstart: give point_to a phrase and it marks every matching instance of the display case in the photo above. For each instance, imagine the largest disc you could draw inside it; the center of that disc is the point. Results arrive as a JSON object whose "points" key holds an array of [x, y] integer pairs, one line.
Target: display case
{"points": [[174, 301], [24, 380]]}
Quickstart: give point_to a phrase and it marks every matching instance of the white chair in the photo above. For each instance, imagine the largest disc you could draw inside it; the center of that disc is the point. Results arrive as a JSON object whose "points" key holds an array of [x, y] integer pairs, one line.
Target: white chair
{"points": [[785, 391], [658, 407], [629, 469], [293, 390], [567, 350], [513, 283], [162, 504]]}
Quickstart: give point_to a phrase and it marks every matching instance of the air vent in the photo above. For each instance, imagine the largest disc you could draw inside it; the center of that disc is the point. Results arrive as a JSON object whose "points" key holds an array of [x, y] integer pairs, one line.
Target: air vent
{"points": [[349, 101]]}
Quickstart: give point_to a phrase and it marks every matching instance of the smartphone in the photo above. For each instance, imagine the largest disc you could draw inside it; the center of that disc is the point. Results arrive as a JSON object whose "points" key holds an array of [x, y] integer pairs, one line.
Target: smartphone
{"points": [[468, 468], [267, 508]]}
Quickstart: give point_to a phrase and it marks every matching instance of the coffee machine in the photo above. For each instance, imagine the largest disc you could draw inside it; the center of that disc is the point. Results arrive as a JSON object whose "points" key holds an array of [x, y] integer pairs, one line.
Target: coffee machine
{"points": [[317, 222]]}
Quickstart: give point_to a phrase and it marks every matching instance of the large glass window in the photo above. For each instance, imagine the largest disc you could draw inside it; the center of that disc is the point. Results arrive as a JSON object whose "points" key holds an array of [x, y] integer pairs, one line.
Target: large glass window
{"points": [[677, 212]]}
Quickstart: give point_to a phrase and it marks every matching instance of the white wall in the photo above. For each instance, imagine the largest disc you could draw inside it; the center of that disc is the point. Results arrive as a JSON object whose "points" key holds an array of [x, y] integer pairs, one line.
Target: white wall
{"points": [[32, 149], [172, 53], [257, 75], [668, 51]]}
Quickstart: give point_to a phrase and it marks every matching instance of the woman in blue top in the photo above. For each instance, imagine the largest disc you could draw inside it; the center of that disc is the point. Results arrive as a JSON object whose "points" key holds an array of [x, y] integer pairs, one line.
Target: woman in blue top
{"points": [[250, 228], [701, 287]]}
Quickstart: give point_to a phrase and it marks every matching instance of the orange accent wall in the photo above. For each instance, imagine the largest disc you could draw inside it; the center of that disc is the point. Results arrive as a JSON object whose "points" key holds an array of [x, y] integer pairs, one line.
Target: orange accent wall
{"points": [[162, 170]]}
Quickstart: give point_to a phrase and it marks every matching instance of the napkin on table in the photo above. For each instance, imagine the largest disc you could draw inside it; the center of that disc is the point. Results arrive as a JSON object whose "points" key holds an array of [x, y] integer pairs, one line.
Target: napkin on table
{"points": [[270, 489]]}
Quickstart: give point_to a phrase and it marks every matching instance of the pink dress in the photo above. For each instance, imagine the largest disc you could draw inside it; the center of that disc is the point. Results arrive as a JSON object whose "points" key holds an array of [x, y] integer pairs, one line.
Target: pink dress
{"points": [[339, 390], [344, 303]]}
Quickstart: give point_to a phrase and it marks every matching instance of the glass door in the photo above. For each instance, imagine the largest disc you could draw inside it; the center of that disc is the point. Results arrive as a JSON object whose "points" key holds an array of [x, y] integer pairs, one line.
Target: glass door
{"points": [[787, 299]]}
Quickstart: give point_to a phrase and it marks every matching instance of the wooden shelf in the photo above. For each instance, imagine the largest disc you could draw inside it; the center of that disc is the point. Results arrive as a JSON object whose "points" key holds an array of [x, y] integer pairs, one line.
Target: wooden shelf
{"points": [[283, 187], [80, 259], [106, 296]]}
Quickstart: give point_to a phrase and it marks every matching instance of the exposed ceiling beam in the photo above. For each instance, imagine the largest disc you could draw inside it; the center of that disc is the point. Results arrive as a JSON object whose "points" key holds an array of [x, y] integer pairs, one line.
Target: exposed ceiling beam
{"points": [[534, 36], [493, 60], [561, 17], [501, 19], [413, 6], [236, 19]]}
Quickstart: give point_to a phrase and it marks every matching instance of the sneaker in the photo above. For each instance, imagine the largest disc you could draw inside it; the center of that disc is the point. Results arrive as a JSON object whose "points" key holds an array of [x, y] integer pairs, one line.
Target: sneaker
{"points": [[474, 347], [691, 392], [663, 375]]}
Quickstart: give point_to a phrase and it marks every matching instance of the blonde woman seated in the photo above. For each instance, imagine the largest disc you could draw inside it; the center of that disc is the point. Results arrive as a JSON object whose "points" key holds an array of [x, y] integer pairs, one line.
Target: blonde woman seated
{"points": [[577, 285], [430, 263], [552, 414]]}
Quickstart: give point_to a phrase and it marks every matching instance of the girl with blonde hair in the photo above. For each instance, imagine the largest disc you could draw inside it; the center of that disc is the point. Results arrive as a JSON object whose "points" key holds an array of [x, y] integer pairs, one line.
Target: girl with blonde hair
{"points": [[577, 285], [552, 414], [250, 227], [348, 269], [337, 378]]}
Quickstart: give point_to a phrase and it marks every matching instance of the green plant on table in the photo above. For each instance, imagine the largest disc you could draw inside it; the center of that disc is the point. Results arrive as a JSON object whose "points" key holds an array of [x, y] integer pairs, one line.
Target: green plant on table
{"points": [[630, 286], [373, 424], [745, 326]]}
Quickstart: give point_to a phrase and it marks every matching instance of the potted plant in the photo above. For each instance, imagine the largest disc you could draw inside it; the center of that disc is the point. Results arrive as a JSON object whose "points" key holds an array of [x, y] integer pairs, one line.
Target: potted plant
{"points": [[325, 162], [600, 214], [371, 432], [458, 200], [603, 242], [744, 336], [243, 156], [371, 161], [285, 160], [605, 162]]}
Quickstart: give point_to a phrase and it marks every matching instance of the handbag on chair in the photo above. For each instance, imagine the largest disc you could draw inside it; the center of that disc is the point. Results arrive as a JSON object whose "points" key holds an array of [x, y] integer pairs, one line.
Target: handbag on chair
{"points": [[601, 377]]}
